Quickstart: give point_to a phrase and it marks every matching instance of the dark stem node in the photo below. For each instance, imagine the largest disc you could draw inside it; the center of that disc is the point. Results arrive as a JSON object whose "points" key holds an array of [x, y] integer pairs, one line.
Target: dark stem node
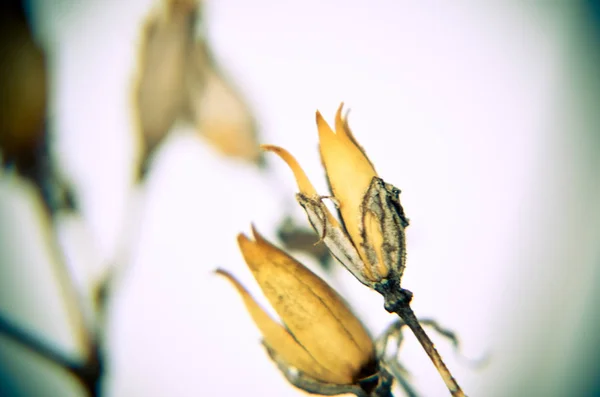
{"points": [[396, 298]]}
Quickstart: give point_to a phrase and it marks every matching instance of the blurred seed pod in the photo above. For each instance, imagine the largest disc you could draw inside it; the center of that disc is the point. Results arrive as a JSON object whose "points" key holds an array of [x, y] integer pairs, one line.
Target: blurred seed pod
{"points": [[178, 78], [166, 42], [218, 110], [23, 88]]}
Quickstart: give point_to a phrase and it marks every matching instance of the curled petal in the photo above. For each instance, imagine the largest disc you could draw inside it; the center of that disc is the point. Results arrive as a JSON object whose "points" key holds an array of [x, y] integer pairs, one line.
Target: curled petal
{"points": [[314, 313], [306, 188], [302, 180]]}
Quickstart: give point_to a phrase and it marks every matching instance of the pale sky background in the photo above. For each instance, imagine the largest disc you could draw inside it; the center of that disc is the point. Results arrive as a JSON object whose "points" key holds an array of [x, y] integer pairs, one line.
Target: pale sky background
{"points": [[486, 117]]}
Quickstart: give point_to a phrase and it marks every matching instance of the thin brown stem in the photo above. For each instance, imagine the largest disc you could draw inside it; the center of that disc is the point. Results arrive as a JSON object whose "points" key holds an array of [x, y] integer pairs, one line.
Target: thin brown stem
{"points": [[408, 316]]}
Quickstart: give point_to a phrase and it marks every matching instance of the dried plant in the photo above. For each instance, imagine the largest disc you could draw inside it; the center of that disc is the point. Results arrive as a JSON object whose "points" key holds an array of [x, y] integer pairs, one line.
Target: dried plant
{"points": [[369, 240], [179, 80], [323, 347]]}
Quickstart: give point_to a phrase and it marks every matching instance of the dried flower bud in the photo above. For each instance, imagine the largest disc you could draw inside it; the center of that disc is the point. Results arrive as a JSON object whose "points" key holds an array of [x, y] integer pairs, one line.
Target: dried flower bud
{"points": [[339, 151], [219, 112], [371, 242], [179, 80], [322, 338], [329, 229], [370, 208], [167, 39]]}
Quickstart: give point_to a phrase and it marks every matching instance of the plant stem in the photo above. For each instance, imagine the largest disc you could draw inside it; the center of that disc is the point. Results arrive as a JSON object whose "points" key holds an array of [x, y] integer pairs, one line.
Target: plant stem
{"points": [[397, 300], [408, 316]]}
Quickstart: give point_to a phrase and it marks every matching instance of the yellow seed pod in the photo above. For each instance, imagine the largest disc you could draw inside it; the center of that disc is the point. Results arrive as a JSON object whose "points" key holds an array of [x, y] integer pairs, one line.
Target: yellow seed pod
{"points": [[371, 242], [315, 315], [276, 337]]}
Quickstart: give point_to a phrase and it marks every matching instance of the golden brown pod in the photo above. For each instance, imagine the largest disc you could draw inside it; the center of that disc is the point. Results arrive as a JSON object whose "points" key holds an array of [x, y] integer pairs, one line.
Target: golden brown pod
{"points": [[370, 242], [218, 110], [315, 316]]}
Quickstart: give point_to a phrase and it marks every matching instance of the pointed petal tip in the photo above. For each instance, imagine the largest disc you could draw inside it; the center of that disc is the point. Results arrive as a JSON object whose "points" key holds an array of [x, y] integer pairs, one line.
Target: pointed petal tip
{"points": [[259, 239], [243, 241], [237, 285], [268, 148], [345, 118], [322, 124], [324, 129], [274, 149], [339, 111], [229, 277], [283, 154], [220, 271], [302, 180], [339, 121], [257, 236]]}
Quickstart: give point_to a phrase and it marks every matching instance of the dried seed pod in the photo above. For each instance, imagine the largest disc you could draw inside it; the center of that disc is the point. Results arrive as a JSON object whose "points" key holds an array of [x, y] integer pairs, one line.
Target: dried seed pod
{"points": [[370, 242], [167, 40], [369, 207], [218, 110], [322, 338]]}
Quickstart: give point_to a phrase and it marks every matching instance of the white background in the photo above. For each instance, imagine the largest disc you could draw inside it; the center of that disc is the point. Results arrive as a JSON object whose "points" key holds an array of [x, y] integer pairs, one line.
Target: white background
{"points": [[479, 114]]}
